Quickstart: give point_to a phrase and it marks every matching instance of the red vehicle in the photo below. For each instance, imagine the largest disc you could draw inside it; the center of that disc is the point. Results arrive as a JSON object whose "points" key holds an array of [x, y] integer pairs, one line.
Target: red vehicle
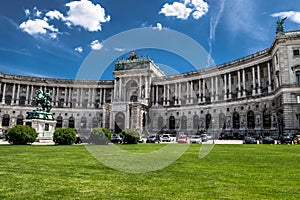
{"points": [[182, 139]]}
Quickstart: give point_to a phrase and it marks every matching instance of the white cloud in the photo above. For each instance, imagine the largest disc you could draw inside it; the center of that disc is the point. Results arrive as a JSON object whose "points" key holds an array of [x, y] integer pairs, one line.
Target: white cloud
{"points": [[27, 12], [291, 15], [79, 49], [37, 12], [198, 8], [177, 9], [53, 35], [96, 45], [54, 14], [86, 14], [158, 26], [119, 49], [37, 26]]}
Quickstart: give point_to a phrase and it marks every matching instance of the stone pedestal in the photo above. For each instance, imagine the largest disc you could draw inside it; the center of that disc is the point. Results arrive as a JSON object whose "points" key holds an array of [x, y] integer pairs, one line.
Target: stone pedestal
{"points": [[44, 124]]}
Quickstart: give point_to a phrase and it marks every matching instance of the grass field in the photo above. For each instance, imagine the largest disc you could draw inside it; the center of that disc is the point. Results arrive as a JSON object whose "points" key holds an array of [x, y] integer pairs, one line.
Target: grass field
{"points": [[228, 172]]}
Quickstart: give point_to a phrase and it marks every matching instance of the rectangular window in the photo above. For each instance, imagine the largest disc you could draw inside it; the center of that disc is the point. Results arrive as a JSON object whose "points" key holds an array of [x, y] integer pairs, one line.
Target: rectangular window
{"points": [[296, 52], [298, 77]]}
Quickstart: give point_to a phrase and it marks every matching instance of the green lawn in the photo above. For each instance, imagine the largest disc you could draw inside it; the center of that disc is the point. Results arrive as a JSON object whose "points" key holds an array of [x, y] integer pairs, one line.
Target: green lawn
{"points": [[228, 172]]}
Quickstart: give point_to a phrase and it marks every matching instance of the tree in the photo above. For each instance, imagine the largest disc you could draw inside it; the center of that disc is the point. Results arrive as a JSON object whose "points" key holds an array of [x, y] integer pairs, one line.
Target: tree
{"points": [[21, 135], [100, 136], [64, 136], [130, 136]]}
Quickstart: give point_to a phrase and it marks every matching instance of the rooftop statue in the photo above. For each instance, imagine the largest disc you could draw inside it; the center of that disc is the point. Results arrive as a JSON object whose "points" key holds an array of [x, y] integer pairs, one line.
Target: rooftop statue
{"points": [[132, 56], [280, 28], [44, 99]]}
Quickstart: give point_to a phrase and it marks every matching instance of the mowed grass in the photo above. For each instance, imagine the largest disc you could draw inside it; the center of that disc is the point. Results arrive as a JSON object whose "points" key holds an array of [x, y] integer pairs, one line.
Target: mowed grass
{"points": [[228, 172]]}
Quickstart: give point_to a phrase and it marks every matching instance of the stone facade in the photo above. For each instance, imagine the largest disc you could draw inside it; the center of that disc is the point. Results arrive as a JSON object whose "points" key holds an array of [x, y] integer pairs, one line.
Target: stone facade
{"points": [[257, 94]]}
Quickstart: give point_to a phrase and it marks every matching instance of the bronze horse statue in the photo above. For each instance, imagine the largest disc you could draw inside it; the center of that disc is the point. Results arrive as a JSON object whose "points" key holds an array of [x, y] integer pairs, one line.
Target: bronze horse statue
{"points": [[42, 98]]}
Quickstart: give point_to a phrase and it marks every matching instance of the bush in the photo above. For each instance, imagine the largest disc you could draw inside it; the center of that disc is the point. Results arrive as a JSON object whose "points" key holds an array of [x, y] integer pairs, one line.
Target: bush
{"points": [[21, 134], [100, 136], [64, 136], [130, 136]]}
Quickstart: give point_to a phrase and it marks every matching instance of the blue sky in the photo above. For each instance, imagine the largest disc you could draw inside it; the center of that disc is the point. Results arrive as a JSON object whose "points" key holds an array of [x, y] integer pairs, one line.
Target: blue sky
{"points": [[52, 38]]}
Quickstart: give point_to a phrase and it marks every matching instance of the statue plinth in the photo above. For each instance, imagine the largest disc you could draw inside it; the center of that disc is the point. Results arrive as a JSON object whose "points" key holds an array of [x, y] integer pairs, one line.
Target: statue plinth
{"points": [[43, 122]]}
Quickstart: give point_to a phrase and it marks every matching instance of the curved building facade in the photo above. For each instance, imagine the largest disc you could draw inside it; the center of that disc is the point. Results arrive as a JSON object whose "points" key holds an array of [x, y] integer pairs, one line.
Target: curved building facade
{"points": [[257, 94]]}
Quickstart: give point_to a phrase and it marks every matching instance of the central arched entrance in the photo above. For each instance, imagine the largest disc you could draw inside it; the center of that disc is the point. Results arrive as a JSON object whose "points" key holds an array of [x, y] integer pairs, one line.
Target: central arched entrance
{"points": [[119, 122]]}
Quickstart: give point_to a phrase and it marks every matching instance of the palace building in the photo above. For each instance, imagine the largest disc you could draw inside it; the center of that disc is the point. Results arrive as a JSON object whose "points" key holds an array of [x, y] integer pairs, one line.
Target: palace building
{"points": [[256, 94]]}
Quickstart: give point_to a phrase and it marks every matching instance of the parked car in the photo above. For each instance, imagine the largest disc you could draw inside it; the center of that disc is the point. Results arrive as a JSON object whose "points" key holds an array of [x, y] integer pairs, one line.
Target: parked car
{"points": [[182, 139], [116, 139], [296, 139], [249, 140], [268, 140], [204, 137], [153, 139], [286, 139], [82, 139], [166, 138], [143, 139], [195, 139]]}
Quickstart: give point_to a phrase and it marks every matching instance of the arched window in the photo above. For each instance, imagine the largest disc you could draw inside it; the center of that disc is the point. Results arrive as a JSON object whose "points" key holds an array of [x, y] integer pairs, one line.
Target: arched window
{"points": [[236, 120], [266, 119], [172, 123], [196, 121], [119, 122], [20, 120], [83, 123], [250, 119], [222, 121], [5, 120], [208, 121], [132, 91], [183, 123], [95, 122], [59, 121], [160, 123], [71, 122]]}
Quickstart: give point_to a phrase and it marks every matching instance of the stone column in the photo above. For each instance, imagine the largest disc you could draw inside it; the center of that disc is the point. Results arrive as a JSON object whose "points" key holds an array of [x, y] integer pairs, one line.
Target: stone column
{"points": [[26, 97], [13, 95], [115, 90], [65, 97], [93, 98], [156, 96], [4, 91], [239, 84], [70, 97], [244, 83], [212, 89], [217, 90], [179, 95], [31, 94], [53, 96], [164, 103], [140, 88], [57, 96], [253, 81], [77, 97], [100, 99], [192, 92], [168, 95], [104, 96], [203, 90], [269, 78], [18, 95], [176, 95], [225, 86], [259, 78], [230, 88], [146, 88], [120, 90], [81, 97], [199, 91], [187, 93], [152, 94]]}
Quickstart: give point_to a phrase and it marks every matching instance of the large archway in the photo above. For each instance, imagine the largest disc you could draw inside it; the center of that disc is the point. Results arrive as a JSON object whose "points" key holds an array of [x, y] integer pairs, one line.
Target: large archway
{"points": [[236, 120], [119, 122], [172, 123], [250, 120]]}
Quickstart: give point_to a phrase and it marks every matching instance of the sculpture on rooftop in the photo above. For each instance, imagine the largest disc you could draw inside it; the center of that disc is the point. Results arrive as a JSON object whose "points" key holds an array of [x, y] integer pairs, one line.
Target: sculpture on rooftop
{"points": [[280, 22], [132, 56]]}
